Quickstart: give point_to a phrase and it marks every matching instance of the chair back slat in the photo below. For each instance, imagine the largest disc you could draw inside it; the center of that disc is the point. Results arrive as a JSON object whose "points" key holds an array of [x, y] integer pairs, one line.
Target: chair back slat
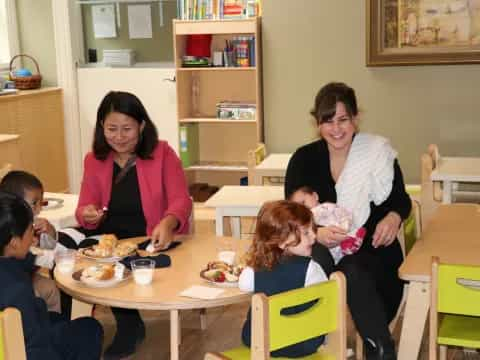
{"points": [[317, 320], [459, 289]]}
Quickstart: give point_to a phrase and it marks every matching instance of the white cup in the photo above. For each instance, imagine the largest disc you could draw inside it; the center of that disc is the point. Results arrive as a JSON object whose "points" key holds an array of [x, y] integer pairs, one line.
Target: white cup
{"points": [[143, 271], [65, 260]]}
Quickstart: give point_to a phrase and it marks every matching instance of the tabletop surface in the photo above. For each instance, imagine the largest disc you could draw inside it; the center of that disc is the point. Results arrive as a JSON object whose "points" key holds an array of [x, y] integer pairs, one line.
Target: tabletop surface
{"points": [[241, 196], [8, 137], [188, 259], [274, 161], [452, 234], [457, 168]]}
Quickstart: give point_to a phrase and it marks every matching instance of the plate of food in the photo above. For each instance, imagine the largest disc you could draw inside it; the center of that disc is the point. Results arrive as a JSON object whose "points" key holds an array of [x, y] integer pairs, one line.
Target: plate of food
{"points": [[109, 249], [51, 203], [221, 274], [102, 275]]}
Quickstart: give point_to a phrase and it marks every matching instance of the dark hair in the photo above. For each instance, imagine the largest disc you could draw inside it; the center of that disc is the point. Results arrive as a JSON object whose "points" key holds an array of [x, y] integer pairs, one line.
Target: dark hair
{"points": [[276, 221], [305, 189], [327, 98], [18, 181], [128, 104], [15, 218]]}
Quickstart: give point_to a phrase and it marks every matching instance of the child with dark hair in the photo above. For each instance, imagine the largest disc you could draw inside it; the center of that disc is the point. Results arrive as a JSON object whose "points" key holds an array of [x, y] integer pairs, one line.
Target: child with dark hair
{"points": [[30, 188], [47, 335], [279, 260]]}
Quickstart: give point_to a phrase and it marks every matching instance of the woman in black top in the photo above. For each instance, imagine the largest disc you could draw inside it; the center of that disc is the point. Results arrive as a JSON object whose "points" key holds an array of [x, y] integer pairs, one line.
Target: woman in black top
{"points": [[360, 172]]}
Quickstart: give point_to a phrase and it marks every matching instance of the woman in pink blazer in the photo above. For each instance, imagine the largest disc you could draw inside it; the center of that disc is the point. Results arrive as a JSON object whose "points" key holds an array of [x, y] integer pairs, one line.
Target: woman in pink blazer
{"points": [[133, 185]]}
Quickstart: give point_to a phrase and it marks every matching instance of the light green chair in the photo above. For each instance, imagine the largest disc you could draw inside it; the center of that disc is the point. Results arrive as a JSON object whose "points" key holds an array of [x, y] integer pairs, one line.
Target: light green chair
{"points": [[454, 307], [12, 343], [272, 331]]}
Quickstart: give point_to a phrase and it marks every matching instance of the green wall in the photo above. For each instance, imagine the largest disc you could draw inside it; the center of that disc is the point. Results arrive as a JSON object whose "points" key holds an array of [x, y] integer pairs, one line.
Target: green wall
{"points": [[307, 43], [36, 37], [158, 48]]}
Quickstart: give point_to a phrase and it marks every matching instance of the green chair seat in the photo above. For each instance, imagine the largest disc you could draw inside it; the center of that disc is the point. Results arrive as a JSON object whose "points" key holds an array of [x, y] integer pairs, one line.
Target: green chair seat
{"points": [[459, 330], [243, 353]]}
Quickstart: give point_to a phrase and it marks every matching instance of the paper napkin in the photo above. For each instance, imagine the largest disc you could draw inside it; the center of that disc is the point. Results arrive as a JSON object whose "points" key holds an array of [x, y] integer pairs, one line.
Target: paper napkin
{"points": [[201, 292]]}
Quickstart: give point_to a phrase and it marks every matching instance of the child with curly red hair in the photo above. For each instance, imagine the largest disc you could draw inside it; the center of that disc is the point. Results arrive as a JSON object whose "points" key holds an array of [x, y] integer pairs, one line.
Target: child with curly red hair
{"points": [[279, 260]]}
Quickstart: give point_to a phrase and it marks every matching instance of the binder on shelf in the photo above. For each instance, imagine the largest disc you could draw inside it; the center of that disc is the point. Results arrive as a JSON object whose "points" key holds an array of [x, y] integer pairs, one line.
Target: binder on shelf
{"points": [[188, 144]]}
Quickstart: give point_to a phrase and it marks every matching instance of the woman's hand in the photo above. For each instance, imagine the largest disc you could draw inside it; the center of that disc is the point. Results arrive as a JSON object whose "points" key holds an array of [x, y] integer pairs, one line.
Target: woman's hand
{"points": [[92, 215], [162, 234], [330, 236], [386, 230]]}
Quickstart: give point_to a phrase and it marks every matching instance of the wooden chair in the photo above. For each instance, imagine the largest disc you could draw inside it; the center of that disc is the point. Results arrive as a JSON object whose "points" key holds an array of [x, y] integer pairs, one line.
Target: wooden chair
{"points": [[406, 241], [12, 343], [431, 191], [255, 157], [454, 307], [272, 331]]}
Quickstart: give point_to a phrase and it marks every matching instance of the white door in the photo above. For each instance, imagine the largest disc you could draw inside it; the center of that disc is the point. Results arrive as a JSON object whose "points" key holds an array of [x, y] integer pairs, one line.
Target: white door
{"points": [[150, 85]]}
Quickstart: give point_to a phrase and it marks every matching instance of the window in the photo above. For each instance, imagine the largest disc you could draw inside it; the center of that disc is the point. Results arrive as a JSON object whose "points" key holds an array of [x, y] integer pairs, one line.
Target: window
{"points": [[8, 32]]}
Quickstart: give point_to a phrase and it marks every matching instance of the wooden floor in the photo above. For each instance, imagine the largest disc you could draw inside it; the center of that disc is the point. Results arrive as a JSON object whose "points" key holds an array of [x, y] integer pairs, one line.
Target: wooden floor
{"points": [[224, 325]]}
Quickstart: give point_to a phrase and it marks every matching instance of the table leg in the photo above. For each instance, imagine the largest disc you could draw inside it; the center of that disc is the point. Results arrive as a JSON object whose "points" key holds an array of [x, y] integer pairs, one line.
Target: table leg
{"points": [[447, 192], [219, 231], [416, 310], [174, 334], [80, 309], [236, 227]]}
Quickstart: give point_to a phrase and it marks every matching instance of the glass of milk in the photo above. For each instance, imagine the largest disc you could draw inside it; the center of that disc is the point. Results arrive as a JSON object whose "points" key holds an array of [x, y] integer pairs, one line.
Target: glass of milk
{"points": [[143, 271], [65, 260]]}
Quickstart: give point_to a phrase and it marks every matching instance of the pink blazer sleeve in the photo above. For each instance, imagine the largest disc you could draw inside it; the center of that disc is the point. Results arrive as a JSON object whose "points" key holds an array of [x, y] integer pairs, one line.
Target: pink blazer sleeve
{"points": [[176, 189], [90, 191]]}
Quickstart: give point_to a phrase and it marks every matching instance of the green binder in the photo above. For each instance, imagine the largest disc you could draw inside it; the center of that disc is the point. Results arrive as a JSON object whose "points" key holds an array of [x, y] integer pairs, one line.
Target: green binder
{"points": [[188, 144]]}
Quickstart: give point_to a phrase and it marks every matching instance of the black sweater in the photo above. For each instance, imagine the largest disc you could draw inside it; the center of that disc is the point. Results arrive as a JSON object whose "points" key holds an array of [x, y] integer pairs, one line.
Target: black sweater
{"points": [[310, 166], [15, 277]]}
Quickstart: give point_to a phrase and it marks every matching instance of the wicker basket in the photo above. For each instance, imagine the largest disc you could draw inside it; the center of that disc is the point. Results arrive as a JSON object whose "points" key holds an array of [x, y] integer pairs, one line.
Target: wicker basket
{"points": [[26, 82]]}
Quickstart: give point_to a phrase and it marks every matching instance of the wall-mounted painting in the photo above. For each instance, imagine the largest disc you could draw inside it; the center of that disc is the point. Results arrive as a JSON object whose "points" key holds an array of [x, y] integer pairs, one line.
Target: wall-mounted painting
{"points": [[413, 32]]}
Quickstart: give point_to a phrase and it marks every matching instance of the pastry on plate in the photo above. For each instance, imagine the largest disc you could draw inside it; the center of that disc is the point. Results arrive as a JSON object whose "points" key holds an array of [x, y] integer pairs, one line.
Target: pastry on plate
{"points": [[124, 249], [99, 272]]}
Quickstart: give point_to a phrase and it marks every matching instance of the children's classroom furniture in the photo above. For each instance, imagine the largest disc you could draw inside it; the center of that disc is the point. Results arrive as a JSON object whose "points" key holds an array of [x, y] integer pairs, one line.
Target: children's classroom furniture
{"points": [[454, 307], [272, 331], [187, 260], [37, 117], [217, 148], [255, 157], [10, 151], [238, 201], [452, 235], [12, 343], [274, 165]]}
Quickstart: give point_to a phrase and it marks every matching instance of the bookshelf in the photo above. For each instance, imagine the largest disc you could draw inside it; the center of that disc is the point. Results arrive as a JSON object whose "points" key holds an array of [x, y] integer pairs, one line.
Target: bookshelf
{"points": [[217, 148]]}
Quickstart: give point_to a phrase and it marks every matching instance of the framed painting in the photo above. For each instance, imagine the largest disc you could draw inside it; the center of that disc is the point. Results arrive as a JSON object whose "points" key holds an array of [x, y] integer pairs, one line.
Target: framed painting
{"points": [[423, 32]]}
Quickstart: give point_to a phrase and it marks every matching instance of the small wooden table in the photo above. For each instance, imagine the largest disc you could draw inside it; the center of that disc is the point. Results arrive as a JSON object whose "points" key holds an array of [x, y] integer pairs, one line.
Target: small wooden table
{"points": [[237, 201], [274, 165], [188, 260], [452, 235], [453, 170], [64, 215], [10, 151]]}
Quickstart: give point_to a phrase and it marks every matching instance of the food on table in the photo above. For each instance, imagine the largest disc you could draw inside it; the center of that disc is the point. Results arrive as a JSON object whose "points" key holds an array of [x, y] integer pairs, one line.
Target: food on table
{"points": [[99, 272], [125, 248], [109, 246], [219, 271]]}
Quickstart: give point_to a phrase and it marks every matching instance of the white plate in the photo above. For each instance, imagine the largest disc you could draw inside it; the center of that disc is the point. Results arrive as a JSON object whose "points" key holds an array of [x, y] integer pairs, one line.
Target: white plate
{"points": [[225, 284], [8, 91], [53, 203], [110, 259], [90, 282]]}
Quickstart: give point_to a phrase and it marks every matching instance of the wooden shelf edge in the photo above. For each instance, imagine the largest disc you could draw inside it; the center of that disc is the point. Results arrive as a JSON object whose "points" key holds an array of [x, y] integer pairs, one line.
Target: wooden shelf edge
{"points": [[219, 68]]}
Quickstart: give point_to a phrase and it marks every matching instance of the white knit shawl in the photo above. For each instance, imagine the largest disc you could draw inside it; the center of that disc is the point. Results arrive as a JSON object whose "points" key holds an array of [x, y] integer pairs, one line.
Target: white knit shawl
{"points": [[367, 176]]}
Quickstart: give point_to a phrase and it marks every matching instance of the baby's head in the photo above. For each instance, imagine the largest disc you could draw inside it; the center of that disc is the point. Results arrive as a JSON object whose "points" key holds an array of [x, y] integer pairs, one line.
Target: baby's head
{"points": [[305, 196], [16, 231], [26, 185]]}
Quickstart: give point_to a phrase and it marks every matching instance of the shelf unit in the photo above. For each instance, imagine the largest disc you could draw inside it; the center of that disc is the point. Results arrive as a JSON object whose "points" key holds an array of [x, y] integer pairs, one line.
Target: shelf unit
{"points": [[222, 145]]}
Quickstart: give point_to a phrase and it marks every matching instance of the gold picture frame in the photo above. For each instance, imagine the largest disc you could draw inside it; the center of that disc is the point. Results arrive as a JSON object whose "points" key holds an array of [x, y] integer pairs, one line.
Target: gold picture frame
{"points": [[423, 32]]}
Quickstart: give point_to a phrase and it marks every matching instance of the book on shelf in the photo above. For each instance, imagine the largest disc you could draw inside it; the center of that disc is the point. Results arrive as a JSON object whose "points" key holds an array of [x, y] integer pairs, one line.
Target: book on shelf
{"points": [[217, 9], [188, 134]]}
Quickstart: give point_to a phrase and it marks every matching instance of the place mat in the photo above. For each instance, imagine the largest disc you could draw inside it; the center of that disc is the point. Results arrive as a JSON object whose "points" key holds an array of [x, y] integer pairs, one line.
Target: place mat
{"points": [[201, 292], [143, 245]]}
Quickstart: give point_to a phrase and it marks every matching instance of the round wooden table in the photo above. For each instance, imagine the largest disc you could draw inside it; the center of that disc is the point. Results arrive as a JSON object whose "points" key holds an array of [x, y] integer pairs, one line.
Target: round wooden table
{"points": [[188, 259]]}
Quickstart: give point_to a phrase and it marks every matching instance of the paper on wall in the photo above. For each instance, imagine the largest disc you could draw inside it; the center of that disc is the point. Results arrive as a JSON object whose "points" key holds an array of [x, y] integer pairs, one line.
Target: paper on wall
{"points": [[103, 17], [140, 21]]}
